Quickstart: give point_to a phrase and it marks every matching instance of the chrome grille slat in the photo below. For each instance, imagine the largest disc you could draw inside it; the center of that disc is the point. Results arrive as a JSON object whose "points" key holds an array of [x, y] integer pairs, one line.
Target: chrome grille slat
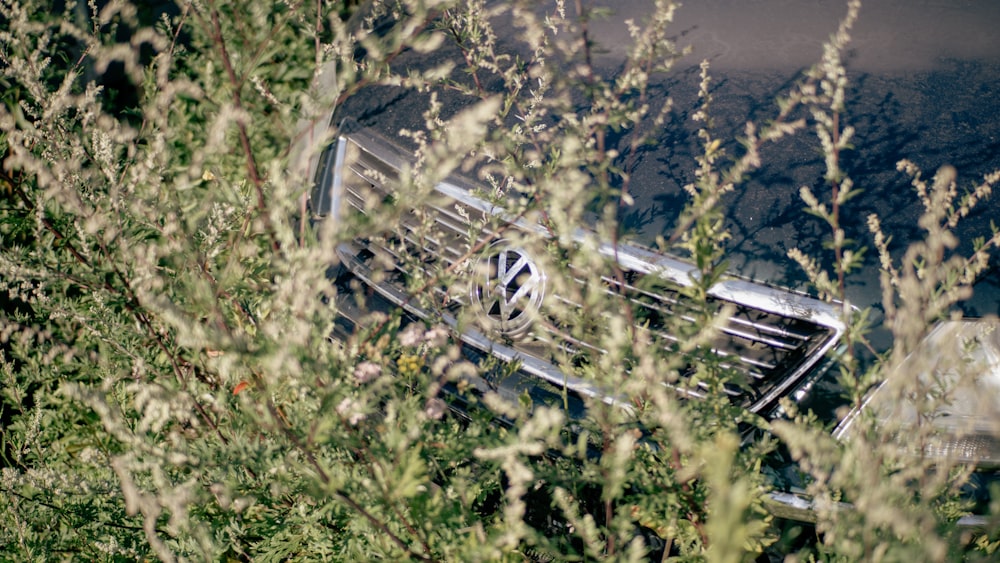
{"points": [[440, 245], [791, 335], [432, 249], [764, 351], [735, 319], [664, 336], [410, 225], [725, 389], [452, 218], [728, 330], [754, 373], [355, 195], [357, 206], [741, 329], [754, 368]]}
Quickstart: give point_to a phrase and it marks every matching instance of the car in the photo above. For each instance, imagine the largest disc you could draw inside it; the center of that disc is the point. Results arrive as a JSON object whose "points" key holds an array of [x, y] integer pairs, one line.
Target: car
{"points": [[922, 85]]}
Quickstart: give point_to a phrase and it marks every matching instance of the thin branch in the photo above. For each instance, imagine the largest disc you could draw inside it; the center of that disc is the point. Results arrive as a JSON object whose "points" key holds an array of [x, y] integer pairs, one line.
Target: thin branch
{"points": [[236, 83]]}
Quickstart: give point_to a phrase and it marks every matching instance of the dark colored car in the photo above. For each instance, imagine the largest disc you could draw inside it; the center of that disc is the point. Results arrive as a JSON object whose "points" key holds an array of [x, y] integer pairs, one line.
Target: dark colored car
{"points": [[924, 84]]}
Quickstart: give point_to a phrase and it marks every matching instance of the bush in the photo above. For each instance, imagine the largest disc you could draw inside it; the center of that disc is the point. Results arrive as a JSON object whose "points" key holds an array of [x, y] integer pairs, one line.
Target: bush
{"points": [[170, 387]]}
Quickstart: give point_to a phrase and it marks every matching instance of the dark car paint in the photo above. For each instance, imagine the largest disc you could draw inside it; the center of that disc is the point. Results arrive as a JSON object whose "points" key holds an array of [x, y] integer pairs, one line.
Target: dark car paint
{"points": [[923, 86]]}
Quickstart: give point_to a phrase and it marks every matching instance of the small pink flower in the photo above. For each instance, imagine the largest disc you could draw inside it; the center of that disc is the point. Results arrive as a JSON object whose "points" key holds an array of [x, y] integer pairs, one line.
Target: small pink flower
{"points": [[437, 336], [366, 371], [411, 335], [434, 409], [350, 409]]}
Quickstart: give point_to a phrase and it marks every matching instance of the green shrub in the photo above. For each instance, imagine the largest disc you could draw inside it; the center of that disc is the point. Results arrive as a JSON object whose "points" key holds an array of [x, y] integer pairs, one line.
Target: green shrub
{"points": [[170, 388]]}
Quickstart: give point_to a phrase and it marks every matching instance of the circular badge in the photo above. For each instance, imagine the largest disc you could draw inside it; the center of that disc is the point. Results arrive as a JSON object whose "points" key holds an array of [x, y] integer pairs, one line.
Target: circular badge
{"points": [[508, 289]]}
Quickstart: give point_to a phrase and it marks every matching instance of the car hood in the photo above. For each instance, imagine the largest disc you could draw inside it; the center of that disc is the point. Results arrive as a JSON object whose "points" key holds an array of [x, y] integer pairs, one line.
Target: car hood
{"points": [[924, 85]]}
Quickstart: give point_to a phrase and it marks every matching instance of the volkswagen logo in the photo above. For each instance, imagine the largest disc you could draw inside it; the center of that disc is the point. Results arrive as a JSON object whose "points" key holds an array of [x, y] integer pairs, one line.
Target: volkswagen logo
{"points": [[508, 289]]}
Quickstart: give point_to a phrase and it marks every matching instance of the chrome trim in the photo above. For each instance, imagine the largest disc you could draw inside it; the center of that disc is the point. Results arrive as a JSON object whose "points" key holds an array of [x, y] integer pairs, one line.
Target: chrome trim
{"points": [[347, 253], [338, 181], [790, 306], [973, 521], [501, 297]]}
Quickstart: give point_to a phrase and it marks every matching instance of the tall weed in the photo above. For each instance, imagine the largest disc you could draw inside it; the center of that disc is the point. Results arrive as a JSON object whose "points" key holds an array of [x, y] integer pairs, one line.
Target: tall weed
{"points": [[170, 387]]}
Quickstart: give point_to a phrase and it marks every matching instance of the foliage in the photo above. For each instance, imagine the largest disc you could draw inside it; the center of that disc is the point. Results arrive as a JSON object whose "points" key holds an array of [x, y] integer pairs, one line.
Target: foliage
{"points": [[170, 388]]}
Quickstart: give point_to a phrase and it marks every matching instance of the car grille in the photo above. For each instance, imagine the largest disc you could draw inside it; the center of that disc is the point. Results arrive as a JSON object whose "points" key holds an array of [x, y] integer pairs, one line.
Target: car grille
{"points": [[770, 341]]}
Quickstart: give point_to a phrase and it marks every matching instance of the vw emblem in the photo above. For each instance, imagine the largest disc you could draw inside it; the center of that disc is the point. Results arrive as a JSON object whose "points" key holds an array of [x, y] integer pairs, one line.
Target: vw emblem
{"points": [[508, 289]]}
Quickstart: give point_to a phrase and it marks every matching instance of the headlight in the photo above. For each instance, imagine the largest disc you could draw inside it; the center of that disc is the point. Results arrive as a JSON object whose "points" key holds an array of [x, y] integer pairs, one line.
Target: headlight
{"points": [[950, 385]]}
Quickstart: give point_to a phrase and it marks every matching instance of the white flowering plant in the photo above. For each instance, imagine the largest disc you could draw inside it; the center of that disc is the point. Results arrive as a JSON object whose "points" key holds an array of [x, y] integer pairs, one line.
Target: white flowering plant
{"points": [[170, 388]]}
